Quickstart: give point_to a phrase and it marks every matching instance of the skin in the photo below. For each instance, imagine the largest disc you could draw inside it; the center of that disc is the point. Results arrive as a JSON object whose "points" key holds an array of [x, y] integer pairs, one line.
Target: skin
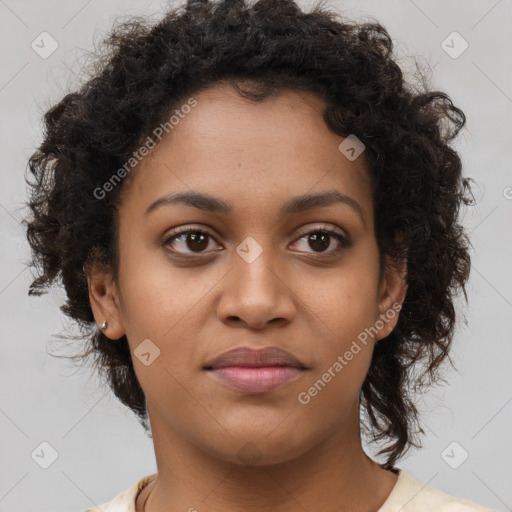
{"points": [[255, 156]]}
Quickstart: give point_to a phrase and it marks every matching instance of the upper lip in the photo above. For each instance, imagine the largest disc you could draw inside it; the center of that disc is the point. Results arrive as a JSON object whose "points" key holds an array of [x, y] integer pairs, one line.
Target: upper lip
{"points": [[254, 357]]}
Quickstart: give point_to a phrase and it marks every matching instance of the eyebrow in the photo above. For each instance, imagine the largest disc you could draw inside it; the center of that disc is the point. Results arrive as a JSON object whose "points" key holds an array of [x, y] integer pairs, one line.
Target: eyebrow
{"points": [[297, 204]]}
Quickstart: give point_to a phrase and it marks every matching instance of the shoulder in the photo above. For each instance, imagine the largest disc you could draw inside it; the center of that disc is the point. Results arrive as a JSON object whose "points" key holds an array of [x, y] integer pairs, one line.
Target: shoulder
{"points": [[410, 495], [125, 500]]}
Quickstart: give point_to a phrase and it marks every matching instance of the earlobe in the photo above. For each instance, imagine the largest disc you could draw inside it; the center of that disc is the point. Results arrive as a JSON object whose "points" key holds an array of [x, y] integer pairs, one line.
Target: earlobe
{"points": [[392, 292], [104, 302]]}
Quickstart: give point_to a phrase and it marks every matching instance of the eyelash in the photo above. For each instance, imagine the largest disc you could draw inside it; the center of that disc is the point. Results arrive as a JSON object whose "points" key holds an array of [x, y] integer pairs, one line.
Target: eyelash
{"points": [[344, 242]]}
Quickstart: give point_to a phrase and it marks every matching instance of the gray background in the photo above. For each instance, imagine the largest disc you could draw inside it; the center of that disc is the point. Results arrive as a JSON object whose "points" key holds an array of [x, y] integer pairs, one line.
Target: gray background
{"points": [[101, 447]]}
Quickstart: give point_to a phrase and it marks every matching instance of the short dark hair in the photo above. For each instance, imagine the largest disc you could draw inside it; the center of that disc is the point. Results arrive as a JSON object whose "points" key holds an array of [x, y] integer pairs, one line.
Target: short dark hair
{"points": [[142, 72]]}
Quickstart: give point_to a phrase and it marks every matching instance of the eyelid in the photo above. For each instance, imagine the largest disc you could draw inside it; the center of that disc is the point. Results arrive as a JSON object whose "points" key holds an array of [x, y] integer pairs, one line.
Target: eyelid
{"points": [[323, 227], [187, 228]]}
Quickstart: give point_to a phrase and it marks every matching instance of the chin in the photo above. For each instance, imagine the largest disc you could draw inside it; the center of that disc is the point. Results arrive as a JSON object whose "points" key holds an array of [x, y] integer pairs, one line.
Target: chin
{"points": [[258, 451]]}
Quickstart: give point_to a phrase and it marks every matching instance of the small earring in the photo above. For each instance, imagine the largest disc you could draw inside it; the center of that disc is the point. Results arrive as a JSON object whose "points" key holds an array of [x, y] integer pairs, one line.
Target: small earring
{"points": [[103, 325]]}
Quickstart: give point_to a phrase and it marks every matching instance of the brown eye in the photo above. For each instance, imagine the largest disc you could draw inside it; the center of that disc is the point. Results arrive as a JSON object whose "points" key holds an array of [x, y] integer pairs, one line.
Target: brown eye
{"points": [[320, 240], [196, 241], [189, 241]]}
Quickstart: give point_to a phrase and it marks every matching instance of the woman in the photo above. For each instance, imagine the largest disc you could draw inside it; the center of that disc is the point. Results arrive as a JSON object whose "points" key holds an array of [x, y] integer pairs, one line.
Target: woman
{"points": [[261, 217]]}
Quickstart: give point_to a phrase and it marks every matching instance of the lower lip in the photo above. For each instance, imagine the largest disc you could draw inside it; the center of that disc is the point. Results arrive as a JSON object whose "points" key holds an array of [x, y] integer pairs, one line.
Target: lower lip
{"points": [[256, 380]]}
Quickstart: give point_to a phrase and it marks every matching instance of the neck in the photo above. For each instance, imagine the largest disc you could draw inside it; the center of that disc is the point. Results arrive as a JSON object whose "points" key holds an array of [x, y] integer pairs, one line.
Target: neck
{"points": [[333, 474]]}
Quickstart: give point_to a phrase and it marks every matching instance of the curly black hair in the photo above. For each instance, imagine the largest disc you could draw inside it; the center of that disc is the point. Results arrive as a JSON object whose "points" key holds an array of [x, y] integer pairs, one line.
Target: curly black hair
{"points": [[143, 70]]}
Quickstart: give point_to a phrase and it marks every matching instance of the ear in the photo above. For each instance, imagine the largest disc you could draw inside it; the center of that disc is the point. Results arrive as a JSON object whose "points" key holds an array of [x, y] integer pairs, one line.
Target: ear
{"points": [[392, 291], [104, 300]]}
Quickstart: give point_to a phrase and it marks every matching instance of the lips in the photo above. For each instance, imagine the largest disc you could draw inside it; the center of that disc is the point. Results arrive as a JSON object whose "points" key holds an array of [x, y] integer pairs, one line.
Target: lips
{"points": [[247, 357], [255, 371]]}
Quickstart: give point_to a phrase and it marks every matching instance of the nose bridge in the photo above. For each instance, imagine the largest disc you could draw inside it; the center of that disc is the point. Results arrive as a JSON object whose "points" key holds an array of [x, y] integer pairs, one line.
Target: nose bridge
{"points": [[255, 292], [255, 262], [255, 268]]}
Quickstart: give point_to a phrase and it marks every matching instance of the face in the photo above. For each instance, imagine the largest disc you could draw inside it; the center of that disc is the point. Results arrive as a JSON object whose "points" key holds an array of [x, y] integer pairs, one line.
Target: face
{"points": [[258, 272]]}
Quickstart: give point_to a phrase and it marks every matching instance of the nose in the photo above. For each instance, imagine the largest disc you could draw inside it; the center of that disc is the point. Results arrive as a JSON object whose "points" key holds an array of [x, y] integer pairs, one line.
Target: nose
{"points": [[256, 293]]}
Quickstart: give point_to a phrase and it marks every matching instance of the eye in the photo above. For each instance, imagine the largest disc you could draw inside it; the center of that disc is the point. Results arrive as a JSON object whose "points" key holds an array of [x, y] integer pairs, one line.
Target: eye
{"points": [[324, 241], [189, 240], [193, 240]]}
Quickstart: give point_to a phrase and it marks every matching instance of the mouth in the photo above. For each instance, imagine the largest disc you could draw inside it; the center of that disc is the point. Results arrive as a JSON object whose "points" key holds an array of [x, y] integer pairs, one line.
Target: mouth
{"points": [[251, 370]]}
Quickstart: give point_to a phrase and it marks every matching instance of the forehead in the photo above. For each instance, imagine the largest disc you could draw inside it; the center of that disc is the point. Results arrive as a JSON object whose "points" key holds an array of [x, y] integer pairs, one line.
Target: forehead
{"points": [[252, 154]]}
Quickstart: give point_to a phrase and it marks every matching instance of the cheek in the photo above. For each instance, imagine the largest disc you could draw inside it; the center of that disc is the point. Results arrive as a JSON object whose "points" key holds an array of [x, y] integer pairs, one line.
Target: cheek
{"points": [[156, 295], [346, 307], [346, 301], [167, 305], [342, 356]]}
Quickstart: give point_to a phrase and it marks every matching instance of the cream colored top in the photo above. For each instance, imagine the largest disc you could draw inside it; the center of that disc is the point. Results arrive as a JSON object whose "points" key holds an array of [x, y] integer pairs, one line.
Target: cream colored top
{"points": [[408, 495]]}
